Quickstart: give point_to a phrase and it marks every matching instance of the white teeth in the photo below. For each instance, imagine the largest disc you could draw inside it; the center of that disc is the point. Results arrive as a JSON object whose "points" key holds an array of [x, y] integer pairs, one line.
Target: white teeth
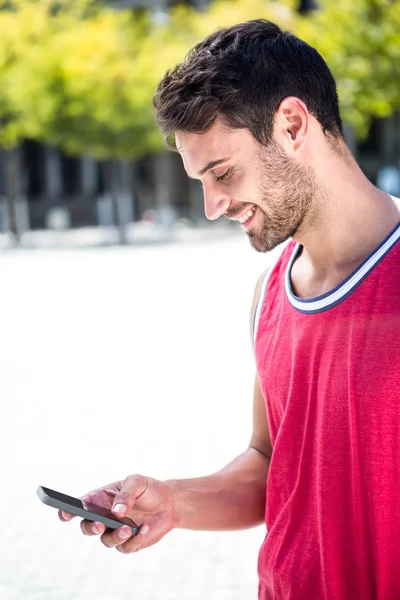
{"points": [[247, 216]]}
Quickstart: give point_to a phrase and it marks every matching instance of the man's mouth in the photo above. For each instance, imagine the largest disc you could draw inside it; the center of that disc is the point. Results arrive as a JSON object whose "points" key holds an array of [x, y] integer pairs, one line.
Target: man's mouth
{"points": [[244, 218]]}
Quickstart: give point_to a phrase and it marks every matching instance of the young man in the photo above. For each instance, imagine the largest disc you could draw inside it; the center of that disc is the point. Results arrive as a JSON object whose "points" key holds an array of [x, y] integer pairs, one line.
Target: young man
{"points": [[254, 114]]}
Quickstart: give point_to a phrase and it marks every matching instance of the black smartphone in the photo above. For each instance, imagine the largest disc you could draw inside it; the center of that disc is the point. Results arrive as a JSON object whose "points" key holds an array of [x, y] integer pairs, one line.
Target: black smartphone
{"points": [[77, 507]]}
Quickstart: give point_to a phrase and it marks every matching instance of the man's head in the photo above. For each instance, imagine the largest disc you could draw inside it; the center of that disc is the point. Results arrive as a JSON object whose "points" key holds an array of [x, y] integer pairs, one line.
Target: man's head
{"points": [[240, 110]]}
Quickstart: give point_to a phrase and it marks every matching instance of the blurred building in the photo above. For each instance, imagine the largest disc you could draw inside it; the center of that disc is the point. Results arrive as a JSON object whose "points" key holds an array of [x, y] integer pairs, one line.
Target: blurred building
{"points": [[62, 191]]}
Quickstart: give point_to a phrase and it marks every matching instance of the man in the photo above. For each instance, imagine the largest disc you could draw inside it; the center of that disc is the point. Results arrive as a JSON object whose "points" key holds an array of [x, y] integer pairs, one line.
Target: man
{"points": [[254, 114]]}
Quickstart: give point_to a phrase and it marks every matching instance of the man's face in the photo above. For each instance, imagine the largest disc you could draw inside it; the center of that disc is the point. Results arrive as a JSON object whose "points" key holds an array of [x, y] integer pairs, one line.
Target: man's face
{"points": [[263, 188]]}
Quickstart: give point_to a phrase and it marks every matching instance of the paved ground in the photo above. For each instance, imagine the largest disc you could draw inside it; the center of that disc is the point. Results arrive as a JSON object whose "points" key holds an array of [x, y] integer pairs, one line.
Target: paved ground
{"points": [[113, 361]]}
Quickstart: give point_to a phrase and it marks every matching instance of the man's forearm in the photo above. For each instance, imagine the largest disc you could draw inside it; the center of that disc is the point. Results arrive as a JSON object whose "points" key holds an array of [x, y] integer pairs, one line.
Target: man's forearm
{"points": [[233, 498]]}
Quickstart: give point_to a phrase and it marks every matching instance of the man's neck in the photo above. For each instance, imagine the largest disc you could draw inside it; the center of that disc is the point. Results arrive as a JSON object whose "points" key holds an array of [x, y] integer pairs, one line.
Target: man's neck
{"points": [[351, 218]]}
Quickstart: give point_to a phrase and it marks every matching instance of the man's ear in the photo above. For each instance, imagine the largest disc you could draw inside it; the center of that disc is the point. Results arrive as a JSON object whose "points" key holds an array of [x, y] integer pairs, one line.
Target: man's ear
{"points": [[292, 124]]}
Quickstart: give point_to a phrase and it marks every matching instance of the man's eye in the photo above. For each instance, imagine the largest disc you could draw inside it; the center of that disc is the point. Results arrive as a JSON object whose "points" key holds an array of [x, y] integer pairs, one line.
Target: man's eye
{"points": [[225, 176]]}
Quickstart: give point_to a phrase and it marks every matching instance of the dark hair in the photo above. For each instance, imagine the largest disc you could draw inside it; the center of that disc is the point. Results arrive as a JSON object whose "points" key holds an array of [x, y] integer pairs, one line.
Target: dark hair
{"points": [[242, 74]]}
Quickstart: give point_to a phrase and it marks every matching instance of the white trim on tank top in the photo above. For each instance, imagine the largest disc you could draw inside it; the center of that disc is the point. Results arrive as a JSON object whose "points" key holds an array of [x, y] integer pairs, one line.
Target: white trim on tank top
{"points": [[335, 296]]}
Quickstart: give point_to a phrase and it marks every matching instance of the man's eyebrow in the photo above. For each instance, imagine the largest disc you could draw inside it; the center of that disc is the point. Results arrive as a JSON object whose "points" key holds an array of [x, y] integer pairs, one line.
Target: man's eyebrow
{"points": [[212, 164]]}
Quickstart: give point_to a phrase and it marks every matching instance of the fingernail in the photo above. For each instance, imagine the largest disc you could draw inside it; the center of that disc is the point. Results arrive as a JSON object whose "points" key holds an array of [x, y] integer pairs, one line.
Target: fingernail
{"points": [[123, 534], [144, 529], [119, 508], [96, 530], [65, 515]]}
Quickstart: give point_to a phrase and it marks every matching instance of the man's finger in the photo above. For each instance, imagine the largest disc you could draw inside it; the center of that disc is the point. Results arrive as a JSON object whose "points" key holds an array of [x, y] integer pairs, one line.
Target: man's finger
{"points": [[65, 516], [116, 537], [91, 528], [132, 487], [133, 544]]}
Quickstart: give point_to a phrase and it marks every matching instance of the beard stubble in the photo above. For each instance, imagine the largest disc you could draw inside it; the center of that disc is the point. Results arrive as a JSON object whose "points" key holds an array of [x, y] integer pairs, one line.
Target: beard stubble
{"points": [[288, 194]]}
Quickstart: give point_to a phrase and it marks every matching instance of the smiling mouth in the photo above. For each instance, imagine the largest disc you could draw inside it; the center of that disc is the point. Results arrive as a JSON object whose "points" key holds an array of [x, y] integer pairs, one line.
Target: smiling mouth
{"points": [[247, 216]]}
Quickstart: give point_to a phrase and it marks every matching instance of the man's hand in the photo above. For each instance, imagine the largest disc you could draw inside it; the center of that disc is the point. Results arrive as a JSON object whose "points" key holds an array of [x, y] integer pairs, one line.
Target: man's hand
{"points": [[148, 502]]}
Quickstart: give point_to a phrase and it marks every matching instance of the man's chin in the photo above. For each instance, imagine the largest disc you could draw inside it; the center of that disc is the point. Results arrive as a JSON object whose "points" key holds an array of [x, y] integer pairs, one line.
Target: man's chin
{"points": [[257, 244], [262, 245]]}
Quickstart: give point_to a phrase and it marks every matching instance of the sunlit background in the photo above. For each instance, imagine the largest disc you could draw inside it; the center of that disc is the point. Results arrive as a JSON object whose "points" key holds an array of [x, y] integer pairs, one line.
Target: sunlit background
{"points": [[125, 340]]}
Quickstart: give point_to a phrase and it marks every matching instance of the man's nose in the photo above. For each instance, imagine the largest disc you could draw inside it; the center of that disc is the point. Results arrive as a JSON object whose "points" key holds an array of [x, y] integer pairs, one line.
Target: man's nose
{"points": [[216, 203]]}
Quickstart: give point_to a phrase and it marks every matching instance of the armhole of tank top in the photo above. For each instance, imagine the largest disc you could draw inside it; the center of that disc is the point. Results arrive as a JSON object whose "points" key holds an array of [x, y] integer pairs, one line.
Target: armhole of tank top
{"points": [[260, 302], [263, 291]]}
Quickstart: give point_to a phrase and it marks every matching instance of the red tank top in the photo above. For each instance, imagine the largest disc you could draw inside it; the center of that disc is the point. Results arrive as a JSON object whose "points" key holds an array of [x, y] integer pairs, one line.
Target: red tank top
{"points": [[329, 370]]}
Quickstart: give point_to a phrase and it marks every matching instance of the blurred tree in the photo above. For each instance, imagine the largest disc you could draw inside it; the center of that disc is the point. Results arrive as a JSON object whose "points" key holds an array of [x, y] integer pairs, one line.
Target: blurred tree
{"points": [[79, 75], [21, 29], [86, 88], [360, 40]]}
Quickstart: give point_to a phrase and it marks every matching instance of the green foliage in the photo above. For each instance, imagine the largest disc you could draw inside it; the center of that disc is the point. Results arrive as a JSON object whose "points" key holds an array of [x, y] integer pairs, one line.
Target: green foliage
{"points": [[80, 75], [360, 40], [77, 76], [80, 82], [21, 28]]}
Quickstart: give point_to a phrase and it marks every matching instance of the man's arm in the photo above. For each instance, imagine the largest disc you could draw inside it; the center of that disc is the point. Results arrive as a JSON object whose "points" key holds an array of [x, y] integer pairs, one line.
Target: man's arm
{"points": [[233, 498]]}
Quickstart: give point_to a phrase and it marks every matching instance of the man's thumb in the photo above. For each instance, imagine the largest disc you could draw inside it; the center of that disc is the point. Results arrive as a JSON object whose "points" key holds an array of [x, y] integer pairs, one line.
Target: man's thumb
{"points": [[131, 488]]}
